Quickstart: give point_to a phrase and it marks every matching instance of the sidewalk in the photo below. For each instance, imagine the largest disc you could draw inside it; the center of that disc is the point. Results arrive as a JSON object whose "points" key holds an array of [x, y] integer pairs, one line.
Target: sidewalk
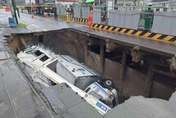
{"points": [[33, 25], [17, 100]]}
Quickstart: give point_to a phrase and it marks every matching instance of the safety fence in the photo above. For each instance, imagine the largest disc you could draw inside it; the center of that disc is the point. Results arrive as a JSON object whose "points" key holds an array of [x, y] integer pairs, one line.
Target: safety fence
{"points": [[130, 19], [156, 22], [80, 13], [125, 19], [164, 23], [160, 22]]}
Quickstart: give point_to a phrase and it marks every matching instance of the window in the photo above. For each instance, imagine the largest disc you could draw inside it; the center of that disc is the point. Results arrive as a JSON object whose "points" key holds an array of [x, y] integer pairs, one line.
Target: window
{"points": [[44, 58]]}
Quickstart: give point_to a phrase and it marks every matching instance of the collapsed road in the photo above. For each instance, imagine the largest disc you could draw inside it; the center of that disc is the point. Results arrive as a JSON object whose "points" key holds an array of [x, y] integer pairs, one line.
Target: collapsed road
{"points": [[134, 79]]}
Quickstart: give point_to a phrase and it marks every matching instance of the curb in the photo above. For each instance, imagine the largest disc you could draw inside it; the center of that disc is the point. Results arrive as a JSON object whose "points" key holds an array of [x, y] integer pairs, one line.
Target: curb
{"points": [[142, 33]]}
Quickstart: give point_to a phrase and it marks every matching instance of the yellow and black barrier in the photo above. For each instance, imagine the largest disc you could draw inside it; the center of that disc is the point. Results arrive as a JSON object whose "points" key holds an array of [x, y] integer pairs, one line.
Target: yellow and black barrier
{"points": [[63, 17], [143, 33], [82, 20]]}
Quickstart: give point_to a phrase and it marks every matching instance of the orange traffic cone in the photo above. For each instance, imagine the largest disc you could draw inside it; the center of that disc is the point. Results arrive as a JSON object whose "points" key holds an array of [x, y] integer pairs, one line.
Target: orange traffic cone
{"points": [[46, 15], [32, 16]]}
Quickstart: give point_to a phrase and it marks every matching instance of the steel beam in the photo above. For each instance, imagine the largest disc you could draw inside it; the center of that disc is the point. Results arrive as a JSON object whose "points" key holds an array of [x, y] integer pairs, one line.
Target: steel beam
{"points": [[122, 69], [102, 49]]}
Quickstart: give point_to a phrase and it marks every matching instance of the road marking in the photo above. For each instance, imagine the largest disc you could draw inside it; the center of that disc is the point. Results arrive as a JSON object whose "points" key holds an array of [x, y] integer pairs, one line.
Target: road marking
{"points": [[168, 38], [147, 34], [95, 25], [35, 25], [110, 28], [137, 33], [116, 29], [100, 26], [45, 29], [129, 32], [123, 30], [156, 36], [105, 27]]}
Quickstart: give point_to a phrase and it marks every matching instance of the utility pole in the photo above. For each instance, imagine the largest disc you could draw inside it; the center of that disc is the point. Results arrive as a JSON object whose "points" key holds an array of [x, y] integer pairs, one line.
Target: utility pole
{"points": [[14, 8]]}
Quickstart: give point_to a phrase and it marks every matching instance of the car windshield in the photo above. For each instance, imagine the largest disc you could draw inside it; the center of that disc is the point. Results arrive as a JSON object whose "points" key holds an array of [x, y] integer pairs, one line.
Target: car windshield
{"points": [[99, 97]]}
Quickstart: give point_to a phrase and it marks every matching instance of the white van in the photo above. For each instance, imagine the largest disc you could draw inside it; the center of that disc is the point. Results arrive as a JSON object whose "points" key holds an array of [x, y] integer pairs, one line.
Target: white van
{"points": [[87, 80]]}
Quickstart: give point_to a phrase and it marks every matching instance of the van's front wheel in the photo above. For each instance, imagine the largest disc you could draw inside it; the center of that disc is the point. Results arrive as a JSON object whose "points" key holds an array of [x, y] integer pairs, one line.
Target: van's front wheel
{"points": [[107, 83]]}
